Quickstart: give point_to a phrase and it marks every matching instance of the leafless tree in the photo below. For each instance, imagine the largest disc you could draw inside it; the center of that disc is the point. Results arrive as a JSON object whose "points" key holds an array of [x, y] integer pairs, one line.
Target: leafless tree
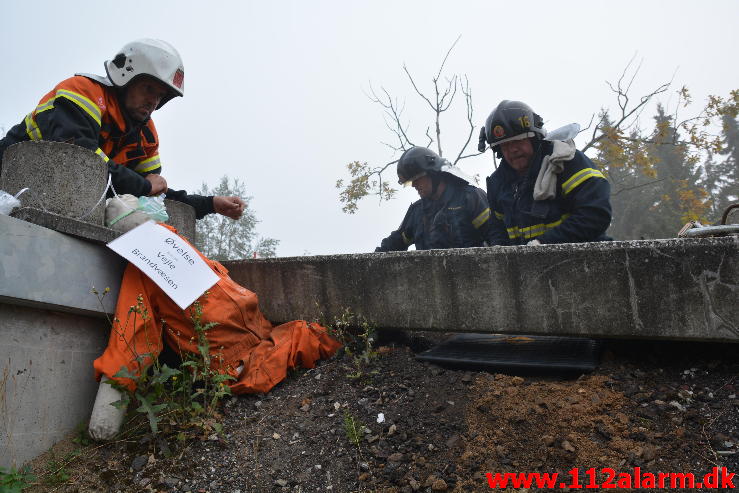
{"points": [[367, 179]]}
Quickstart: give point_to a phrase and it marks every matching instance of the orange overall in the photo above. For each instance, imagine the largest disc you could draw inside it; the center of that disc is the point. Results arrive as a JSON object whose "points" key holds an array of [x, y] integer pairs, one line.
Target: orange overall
{"points": [[242, 337]]}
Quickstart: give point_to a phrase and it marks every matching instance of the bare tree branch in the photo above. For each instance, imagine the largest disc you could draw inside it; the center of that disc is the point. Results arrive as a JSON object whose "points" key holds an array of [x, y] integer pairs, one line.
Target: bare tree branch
{"points": [[468, 100]]}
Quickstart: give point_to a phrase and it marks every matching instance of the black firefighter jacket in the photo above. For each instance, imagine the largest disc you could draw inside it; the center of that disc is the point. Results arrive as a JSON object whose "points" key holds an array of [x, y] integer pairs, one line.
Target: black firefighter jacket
{"points": [[460, 218], [580, 211]]}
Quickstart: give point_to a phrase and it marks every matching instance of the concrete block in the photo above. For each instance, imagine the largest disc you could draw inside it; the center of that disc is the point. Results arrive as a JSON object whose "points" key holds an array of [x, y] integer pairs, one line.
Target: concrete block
{"points": [[662, 289], [62, 179], [46, 378], [47, 269], [182, 217]]}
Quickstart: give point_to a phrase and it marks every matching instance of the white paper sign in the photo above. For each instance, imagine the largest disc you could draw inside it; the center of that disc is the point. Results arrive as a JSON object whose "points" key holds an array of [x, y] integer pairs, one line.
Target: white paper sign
{"points": [[167, 260]]}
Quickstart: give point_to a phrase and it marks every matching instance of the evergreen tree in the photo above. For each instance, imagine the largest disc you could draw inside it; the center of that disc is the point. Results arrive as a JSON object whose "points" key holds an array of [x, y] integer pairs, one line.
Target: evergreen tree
{"points": [[222, 238], [680, 198], [726, 173]]}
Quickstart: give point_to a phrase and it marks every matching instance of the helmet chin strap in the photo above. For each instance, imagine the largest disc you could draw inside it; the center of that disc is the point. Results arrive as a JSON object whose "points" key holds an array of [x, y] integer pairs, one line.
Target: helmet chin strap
{"points": [[435, 180]]}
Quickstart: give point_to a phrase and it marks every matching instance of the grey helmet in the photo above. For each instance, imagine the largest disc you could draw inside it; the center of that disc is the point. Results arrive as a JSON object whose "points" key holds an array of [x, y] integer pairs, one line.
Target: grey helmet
{"points": [[419, 161], [416, 162]]}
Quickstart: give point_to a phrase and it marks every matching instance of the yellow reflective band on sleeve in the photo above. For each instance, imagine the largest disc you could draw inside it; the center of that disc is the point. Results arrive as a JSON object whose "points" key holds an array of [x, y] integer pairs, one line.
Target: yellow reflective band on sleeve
{"points": [[83, 102], [481, 219], [45, 106], [149, 164], [499, 215], [100, 153], [406, 240], [534, 230], [34, 133], [580, 177]]}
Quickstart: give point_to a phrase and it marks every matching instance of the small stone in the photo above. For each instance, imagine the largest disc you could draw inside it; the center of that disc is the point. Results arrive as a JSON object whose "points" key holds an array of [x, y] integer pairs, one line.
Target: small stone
{"points": [[281, 483], [364, 466], [171, 482], [139, 462], [337, 406], [548, 440], [396, 457], [467, 377], [364, 476], [276, 436], [305, 408], [567, 446], [439, 485], [258, 404], [517, 380], [391, 430]]}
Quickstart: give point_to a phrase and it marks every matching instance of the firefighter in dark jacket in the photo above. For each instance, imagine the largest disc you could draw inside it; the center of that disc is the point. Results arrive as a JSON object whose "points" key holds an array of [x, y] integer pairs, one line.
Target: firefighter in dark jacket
{"points": [[450, 214], [111, 116], [544, 191]]}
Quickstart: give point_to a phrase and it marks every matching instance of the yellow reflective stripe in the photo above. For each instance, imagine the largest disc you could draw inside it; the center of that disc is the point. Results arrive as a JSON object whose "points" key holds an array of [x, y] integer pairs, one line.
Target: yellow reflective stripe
{"points": [[100, 153], [534, 230], [83, 102], [45, 106], [34, 133], [481, 219], [149, 164], [407, 240], [499, 215], [580, 177]]}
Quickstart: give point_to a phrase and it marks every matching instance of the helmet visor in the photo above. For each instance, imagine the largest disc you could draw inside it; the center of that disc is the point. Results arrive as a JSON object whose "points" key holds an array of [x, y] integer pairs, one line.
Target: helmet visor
{"points": [[409, 181]]}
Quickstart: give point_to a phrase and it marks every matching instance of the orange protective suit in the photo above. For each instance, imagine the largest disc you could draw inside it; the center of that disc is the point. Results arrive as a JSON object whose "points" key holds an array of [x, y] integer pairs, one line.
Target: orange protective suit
{"points": [[242, 337]]}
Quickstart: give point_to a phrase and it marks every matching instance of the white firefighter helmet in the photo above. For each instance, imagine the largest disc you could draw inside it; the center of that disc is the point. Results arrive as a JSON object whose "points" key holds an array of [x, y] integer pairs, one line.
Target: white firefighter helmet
{"points": [[152, 57]]}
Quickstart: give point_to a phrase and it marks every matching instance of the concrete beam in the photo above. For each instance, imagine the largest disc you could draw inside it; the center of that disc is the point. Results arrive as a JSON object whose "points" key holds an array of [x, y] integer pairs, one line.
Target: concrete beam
{"points": [[46, 269], [661, 289]]}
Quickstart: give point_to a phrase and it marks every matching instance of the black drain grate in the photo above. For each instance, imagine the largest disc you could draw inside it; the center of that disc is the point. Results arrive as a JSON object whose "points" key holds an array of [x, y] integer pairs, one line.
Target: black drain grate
{"points": [[516, 354]]}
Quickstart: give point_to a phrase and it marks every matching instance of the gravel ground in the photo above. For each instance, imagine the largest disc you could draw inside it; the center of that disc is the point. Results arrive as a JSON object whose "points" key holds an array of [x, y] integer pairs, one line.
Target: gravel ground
{"points": [[407, 426]]}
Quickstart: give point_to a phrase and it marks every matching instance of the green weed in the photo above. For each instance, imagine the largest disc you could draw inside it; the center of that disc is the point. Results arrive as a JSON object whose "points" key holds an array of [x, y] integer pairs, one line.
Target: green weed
{"points": [[15, 481], [352, 428], [358, 336], [181, 401]]}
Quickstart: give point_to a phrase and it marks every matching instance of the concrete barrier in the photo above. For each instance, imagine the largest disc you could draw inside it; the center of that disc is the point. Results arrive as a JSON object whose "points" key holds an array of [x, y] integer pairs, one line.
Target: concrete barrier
{"points": [[662, 289], [51, 329]]}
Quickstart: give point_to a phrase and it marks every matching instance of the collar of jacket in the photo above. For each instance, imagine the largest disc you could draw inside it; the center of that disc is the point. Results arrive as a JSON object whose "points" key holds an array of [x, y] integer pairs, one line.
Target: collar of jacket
{"points": [[450, 190]]}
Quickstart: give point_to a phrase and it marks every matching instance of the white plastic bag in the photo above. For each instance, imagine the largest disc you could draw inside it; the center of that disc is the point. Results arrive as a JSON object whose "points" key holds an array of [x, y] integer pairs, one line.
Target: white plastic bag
{"points": [[9, 202], [125, 212]]}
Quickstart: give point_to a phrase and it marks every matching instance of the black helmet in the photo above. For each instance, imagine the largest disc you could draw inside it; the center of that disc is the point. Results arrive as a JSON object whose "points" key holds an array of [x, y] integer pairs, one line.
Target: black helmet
{"points": [[416, 162], [511, 120]]}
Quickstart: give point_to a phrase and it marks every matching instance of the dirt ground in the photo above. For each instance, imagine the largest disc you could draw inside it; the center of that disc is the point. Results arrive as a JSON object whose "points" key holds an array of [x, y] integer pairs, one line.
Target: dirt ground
{"points": [[662, 407]]}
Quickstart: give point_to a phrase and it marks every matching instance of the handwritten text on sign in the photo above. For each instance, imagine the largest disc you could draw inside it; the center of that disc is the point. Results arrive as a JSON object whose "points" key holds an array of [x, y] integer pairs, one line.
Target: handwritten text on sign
{"points": [[168, 260]]}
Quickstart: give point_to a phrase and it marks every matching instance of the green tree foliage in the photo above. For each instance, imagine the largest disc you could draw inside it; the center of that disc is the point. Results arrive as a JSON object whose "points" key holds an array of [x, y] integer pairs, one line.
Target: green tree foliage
{"points": [[657, 178], [222, 238]]}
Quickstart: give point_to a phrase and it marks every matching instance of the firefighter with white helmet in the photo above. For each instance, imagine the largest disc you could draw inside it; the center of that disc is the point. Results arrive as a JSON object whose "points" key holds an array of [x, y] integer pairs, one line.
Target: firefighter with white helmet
{"points": [[111, 115], [451, 213]]}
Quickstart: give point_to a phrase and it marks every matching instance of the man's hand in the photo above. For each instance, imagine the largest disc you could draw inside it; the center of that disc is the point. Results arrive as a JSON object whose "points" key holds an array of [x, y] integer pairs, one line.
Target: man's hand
{"points": [[231, 207], [158, 184]]}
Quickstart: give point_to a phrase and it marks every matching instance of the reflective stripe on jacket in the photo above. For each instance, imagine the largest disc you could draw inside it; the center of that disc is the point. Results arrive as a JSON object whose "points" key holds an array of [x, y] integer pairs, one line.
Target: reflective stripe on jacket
{"points": [[459, 219], [580, 212]]}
